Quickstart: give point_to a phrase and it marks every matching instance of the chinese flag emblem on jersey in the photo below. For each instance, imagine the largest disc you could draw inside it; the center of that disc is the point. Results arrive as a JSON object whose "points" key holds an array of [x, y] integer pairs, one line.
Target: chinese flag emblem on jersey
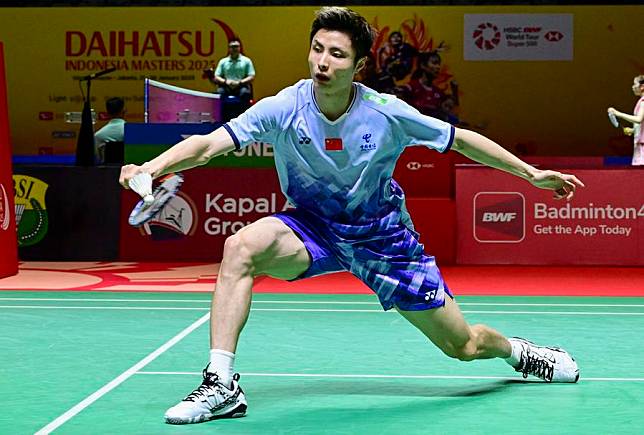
{"points": [[333, 144]]}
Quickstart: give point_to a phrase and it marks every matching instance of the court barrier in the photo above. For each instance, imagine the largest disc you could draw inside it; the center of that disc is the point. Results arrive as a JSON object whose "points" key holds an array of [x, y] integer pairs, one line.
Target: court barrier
{"points": [[9, 256], [67, 212]]}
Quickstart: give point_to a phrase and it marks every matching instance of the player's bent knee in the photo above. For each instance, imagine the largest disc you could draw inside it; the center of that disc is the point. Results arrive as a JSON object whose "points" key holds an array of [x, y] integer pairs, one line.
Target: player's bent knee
{"points": [[248, 246], [237, 250]]}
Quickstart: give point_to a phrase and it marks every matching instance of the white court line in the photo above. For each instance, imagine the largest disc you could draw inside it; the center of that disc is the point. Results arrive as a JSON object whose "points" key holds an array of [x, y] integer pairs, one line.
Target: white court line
{"points": [[53, 307], [473, 304], [60, 420], [323, 310], [329, 375]]}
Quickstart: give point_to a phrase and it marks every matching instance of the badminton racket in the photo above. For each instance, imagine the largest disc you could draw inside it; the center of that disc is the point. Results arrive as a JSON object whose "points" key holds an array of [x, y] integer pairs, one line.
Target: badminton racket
{"points": [[613, 119], [152, 203]]}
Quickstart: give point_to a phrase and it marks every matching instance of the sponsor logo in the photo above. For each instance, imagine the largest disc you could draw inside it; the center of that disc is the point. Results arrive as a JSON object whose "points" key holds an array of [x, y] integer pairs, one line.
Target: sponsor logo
{"points": [[553, 36], [45, 116], [430, 295], [367, 146], [225, 215], [32, 220], [305, 140], [416, 166], [5, 212], [486, 36], [375, 98], [178, 219], [63, 134], [499, 217]]}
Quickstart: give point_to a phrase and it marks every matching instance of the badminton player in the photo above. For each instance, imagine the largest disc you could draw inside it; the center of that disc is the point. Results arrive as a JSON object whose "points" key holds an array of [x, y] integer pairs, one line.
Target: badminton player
{"points": [[336, 144], [636, 119]]}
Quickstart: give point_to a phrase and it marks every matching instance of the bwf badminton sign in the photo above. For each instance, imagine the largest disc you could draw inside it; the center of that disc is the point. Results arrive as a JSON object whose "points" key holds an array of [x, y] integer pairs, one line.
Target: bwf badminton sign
{"points": [[504, 220], [518, 37]]}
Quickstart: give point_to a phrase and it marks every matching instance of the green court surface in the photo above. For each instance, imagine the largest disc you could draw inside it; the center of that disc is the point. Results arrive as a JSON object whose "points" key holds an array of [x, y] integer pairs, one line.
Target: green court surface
{"points": [[111, 363]]}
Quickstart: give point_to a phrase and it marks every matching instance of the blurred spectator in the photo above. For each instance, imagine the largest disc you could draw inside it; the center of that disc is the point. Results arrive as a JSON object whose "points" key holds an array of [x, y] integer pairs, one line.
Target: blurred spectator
{"points": [[114, 130], [396, 57]]}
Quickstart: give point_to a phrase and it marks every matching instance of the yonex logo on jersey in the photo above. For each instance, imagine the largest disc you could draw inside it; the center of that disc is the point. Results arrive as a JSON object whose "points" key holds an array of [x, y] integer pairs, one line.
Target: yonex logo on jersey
{"points": [[499, 217], [305, 140]]}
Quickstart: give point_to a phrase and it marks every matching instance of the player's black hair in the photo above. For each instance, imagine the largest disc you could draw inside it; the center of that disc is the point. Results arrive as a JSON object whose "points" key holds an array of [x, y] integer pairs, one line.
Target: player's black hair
{"points": [[346, 21]]}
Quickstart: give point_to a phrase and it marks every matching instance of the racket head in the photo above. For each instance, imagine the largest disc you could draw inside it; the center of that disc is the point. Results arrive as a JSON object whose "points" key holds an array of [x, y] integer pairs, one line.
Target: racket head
{"points": [[613, 119], [143, 213]]}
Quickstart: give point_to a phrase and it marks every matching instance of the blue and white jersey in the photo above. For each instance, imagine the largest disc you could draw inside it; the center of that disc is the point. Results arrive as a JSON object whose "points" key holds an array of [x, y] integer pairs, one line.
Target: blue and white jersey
{"points": [[340, 170]]}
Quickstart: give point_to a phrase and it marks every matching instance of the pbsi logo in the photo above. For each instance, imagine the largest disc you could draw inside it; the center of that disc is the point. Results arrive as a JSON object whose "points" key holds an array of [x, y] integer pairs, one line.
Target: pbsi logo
{"points": [[5, 211], [499, 217]]}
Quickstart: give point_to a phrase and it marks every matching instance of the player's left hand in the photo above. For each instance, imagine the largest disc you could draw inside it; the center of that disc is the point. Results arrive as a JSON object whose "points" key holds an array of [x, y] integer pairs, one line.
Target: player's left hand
{"points": [[563, 185]]}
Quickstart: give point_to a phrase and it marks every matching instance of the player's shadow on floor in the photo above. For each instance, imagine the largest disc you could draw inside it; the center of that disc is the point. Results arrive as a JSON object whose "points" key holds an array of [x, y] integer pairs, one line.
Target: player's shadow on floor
{"points": [[370, 387]]}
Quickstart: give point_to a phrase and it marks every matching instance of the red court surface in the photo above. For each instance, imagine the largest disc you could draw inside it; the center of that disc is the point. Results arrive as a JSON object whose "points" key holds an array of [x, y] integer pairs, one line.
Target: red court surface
{"points": [[200, 277]]}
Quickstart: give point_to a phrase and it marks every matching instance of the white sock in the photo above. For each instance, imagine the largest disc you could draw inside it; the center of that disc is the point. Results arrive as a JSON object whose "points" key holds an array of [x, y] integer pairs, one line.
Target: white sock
{"points": [[515, 357], [221, 362]]}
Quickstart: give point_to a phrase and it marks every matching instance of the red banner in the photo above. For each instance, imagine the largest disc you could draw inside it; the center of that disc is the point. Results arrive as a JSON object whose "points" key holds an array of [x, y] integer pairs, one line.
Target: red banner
{"points": [[8, 243], [503, 219], [425, 173], [212, 205]]}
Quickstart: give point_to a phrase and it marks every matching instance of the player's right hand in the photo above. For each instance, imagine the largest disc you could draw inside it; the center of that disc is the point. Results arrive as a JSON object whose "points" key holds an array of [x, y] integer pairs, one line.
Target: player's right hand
{"points": [[127, 172]]}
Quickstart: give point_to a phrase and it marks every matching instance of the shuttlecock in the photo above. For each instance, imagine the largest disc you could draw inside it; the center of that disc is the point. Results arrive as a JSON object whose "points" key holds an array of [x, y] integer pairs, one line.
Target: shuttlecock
{"points": [[142, 184]]}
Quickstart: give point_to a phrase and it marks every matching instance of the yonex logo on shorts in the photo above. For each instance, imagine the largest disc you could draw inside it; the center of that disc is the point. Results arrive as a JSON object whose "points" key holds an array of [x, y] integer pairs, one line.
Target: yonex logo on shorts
{"points": [[499, 217]]}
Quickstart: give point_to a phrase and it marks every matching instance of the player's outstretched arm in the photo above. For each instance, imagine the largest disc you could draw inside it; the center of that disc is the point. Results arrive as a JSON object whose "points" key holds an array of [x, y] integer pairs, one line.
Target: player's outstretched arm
{"points": [[635, 119], [483, 150], [194, 151]]}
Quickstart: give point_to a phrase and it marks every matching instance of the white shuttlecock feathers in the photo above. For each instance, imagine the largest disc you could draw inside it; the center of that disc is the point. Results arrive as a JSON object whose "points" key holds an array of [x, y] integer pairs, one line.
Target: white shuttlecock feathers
{"points": [[142, 184]]}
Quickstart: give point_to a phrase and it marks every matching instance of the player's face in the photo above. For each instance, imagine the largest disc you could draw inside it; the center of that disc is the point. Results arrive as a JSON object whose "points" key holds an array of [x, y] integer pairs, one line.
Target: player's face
{"points": [[331, 60], [637, 88]]}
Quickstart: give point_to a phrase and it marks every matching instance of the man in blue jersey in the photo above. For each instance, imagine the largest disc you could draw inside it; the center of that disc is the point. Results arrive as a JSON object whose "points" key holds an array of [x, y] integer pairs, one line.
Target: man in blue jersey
{"points": [[336, 144]]}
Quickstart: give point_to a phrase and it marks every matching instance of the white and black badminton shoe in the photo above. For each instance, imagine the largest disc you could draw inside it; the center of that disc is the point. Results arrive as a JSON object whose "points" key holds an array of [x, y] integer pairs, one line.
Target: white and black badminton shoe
{"points": [[212, 400], [551, 364]]}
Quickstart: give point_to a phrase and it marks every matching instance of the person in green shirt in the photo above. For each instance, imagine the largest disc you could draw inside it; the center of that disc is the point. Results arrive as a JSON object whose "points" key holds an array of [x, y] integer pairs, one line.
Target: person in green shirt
{"points": [[114, 130], [235, 73]]}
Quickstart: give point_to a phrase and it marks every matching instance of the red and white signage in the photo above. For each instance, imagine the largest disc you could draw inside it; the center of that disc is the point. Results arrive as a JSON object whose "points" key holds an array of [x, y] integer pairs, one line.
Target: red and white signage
{"points": [[503, 219], [423, 172], [212, 205], [518, 37], [8, 242]]}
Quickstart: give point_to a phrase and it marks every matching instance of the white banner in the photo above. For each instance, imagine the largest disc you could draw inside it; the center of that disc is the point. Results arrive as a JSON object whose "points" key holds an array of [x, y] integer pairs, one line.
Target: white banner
{"points": [[518, 37]]}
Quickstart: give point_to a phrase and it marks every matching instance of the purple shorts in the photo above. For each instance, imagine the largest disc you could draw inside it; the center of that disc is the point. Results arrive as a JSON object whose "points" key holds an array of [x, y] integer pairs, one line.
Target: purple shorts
{"points": [[392, 262]]}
